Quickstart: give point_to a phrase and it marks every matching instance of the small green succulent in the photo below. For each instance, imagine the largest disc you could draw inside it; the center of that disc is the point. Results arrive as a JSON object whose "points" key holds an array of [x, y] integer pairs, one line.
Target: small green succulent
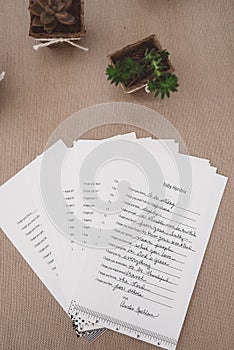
{"points": [[155, 61], [124, 71], [163, 84]]}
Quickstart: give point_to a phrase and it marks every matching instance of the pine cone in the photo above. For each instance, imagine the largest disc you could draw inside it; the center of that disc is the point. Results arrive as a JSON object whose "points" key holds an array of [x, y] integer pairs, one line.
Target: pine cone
{"points": [[48, 13]]}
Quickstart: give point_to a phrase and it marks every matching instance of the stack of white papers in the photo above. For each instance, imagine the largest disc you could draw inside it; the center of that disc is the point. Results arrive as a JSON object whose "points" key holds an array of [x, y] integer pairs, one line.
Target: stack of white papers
{"points": [[116, 229]]}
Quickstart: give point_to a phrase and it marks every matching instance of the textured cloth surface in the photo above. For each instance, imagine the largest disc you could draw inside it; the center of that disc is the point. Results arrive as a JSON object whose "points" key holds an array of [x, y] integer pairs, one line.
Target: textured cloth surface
{"points": [[43, 88]]}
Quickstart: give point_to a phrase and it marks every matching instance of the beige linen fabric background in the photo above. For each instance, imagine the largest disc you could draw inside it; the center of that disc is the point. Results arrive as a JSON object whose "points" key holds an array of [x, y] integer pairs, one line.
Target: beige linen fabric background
{"points": [[43, 88]]}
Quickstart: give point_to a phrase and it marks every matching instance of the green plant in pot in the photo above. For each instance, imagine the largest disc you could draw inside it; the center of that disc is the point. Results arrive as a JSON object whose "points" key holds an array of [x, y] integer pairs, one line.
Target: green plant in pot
{"points": [[143, 64]]}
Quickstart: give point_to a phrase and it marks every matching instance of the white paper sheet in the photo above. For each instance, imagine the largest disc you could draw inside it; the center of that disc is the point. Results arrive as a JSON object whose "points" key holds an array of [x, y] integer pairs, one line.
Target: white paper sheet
{"points": [[148, 284], [24, 219], [24, 222], [70, 171], [168, 148]]}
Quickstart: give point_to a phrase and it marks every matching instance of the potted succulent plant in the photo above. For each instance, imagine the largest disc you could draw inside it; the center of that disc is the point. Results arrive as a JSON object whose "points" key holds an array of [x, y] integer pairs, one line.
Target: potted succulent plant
{"points": [[56, 19], [143, 64]]}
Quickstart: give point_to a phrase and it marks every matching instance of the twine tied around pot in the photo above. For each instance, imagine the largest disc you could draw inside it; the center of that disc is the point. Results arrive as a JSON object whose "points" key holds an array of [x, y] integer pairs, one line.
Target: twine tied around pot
{"points": [[147, 89], [48, 42]]}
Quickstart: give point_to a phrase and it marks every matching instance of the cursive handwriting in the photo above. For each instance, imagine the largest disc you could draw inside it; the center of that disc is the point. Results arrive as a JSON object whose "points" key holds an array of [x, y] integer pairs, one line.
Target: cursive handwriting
{"points": [[138, 310]]}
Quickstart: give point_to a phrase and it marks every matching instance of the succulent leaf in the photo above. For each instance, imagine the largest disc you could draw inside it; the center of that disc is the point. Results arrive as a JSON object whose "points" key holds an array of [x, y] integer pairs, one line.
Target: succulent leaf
{"points": [[36, 22], [36, 9], [42, 3], [60, 6], [49, 11], [50, 26], [68, 4], [65, 18], [62, 14], [45, 18]]}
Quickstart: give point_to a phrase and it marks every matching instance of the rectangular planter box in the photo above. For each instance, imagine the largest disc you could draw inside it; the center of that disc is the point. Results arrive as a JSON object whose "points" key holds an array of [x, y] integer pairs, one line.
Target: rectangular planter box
{"points": [[76, 30], [138, 50]]}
